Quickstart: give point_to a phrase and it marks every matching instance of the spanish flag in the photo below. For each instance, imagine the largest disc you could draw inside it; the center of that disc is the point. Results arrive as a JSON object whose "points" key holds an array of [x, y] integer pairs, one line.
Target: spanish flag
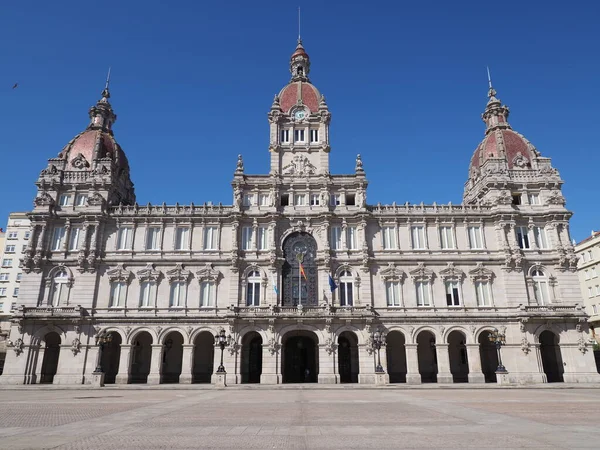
{"points": [[303, 272]]}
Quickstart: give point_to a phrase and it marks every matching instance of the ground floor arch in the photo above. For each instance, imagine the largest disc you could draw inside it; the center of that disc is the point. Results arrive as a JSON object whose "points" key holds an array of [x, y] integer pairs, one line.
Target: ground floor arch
{"points": [[252, 343], [457, 352], [348, 366], [551, 357], [396, 356], [172, 358], [489, 357], [204, 357], [426, 351], [50, 359], [141, 355], [299, 359], [111, 355]]}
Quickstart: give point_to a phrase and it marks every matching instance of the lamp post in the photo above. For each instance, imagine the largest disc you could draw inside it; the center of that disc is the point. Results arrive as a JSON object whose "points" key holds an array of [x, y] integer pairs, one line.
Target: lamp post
{"points": [[499, 339], [378, 340], [102, 339], [223, 341]]}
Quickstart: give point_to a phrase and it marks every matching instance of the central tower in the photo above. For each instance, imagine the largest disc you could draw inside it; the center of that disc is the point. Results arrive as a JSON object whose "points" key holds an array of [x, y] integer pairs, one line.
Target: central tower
{"points": [[299, 124]]}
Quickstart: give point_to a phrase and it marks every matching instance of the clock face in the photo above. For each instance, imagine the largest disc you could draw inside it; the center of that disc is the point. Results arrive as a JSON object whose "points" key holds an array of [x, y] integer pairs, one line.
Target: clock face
{"points": [[299, 114]]}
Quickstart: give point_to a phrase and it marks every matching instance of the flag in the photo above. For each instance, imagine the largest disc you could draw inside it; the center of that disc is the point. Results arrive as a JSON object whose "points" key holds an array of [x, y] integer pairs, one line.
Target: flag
{"points": [[332, 284], [274, 283], [303, 272]]}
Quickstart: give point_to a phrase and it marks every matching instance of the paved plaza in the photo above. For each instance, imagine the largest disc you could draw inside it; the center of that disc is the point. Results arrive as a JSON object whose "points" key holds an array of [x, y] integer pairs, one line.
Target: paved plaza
{"points": [[260, 418]]}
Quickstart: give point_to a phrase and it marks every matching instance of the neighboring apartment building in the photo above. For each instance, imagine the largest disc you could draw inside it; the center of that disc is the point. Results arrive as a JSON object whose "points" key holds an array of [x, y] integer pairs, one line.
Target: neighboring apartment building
{"points": [[588, 268], [300, 271], [16, 238]]}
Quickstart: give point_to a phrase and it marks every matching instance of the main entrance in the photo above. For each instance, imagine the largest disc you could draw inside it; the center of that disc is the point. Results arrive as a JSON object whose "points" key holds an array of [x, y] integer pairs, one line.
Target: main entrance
{"points": [[299, 361]]}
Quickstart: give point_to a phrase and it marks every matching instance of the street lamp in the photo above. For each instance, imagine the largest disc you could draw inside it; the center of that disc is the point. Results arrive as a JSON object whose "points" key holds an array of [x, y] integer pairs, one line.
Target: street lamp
{"points": [[378, 340], [498, 339], [223, 341], [102, 339]]}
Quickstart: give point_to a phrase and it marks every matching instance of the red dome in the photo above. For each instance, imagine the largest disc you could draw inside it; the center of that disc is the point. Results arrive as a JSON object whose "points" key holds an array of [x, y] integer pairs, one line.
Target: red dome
{"points": [[299, 90], [90, 145], [506, 144]]}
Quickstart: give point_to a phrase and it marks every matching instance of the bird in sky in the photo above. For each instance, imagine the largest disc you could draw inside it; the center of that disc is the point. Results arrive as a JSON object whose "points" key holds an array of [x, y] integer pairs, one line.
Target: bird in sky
{"points": [[15, 86]]}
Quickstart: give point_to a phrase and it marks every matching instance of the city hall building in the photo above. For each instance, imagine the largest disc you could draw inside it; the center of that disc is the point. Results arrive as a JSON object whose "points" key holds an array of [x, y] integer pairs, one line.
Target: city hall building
{"points": [[300, 271]]}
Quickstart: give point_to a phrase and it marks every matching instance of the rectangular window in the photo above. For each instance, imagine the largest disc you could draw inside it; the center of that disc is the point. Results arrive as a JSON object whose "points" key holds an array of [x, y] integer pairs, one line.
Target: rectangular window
{"points": [[2, 292], [314, 200], [595, 309], [417, 234], [336, 238], [534, 199], [516, 199], [4, 276], [351, 240], [12, 235], [314, 135], [147, 294], [346, 298], [422, 288], [452, 297], [124, 238], [475, 238], [350, 199], [182, 238], [153, 238], [482, 292], [540, 291], [300, 199], [285, 199], [597, 289], [23, 248], [75, 238], [210, 238], [7, 262], [16, 292], [253, 294], [247, 238], [541, 240], [64, 200], [392, 293], [248, 200], [285, 136], [263, 199], [587, 274], [81, 199], [9, 249], [389, 237], [590, 293], [594, 272], [20, 275], [206, 294], [446, 237], [263, 238], [27, 234], [118, 290], [590, 255], [522, 237], [58, 238], [177, 297], [335, 200], [299, 136], [584, 257]]}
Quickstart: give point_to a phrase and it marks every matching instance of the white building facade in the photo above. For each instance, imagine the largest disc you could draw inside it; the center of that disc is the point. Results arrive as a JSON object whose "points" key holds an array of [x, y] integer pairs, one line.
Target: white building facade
{"points": [[163, 280], [588, 252]]}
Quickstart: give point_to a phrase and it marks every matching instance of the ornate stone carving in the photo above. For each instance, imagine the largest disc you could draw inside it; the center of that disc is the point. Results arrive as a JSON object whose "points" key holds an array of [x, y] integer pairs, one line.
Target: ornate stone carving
{"points": [[300, 166], [273, 346], [520, 161], [330, 346], [17, 346], [421, 273], [75, 346], [178, 273], [79, 162], [392, 273], [233, 348], [119, 274], [359, 165], [148, 273], [44, 199], [480, 273], [208, 273], [525, 346], [555, 198], [523, 324], [239, 167], [96, 199], [451, 272]]}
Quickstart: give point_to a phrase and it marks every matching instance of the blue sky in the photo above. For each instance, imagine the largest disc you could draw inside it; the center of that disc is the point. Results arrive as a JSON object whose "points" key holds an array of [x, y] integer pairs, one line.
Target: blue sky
{"points": [[192, 83]]}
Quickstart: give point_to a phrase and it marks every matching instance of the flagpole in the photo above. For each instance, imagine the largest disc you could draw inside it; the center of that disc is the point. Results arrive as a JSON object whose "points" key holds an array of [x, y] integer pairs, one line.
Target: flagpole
{"points": [[299, 283]]}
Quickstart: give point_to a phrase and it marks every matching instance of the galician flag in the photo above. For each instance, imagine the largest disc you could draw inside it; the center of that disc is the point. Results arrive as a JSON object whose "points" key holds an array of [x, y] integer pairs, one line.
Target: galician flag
{"points": [[274, 283]]}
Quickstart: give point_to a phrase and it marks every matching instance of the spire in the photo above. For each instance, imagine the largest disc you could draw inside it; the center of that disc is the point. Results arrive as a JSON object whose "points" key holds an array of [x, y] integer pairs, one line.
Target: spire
{"points": [[299, 62], [496, 114], [105, 91], [101, 114]]}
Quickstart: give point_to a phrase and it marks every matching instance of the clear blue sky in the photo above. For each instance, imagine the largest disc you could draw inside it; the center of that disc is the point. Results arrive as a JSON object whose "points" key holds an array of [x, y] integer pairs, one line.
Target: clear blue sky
{"points": [[405, 81]]}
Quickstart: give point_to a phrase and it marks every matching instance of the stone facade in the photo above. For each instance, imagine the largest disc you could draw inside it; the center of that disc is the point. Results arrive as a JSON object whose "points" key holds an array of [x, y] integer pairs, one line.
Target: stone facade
{"points": [[300, 271], [588, 252]]}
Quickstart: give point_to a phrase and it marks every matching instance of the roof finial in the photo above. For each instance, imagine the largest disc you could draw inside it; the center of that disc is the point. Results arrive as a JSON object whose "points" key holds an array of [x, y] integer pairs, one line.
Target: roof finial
{"points": [[106, 92], [299, 38], [491, 91]]}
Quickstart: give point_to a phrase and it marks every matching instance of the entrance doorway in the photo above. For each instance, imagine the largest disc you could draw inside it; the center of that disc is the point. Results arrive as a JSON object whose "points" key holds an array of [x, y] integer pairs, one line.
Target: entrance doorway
{"points": [[396, 357], [140, 358], [348, 357], [299, 359], [489, 357], [427, 357], [50, 360], [110, 358], [251, 357], [204, 356], [457, 352], [551, 357], [172, 358]]}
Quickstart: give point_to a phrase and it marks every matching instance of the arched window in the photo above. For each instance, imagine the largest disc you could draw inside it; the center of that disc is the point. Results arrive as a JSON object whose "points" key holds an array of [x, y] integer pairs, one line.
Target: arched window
{"points": [[540, 286], [59, 291], [253, 288], [346, 294]]}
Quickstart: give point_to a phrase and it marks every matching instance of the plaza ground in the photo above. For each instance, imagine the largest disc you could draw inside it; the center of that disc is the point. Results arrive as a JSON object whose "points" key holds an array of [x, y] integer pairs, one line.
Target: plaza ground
{"points": [[298, 417]]}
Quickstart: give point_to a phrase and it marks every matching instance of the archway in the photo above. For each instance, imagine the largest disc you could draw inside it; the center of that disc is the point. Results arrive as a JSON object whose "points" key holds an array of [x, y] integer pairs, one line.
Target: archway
{"points": [[300, 248], [50, 360], [140, 358], [300, 357], [457, 351], [251, 357], [489, 357], [551, 357], [172, 358], [427, 357], [348, 357], [204, 357], [396, 357], [110, 358]]}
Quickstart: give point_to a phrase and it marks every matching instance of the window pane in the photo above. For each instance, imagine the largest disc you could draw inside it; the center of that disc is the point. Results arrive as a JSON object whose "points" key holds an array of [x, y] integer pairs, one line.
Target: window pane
{"points": [[263, 238], [210, 238], [75, 237]]}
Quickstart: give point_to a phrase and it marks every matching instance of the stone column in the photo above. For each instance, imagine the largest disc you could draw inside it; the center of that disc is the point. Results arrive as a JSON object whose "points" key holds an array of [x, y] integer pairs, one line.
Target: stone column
{"points": [[366, 364], [474, 358], [187, 364], [328, 373], [412, 364], [443, 363], [155, 364], [124, 365], [270, 365]]}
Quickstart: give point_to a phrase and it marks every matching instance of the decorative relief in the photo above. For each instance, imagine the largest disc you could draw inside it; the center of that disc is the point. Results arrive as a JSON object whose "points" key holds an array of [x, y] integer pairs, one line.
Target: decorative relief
{"points": [[330, 346], [555, 198], [95, 199], [520, 161], [119, 274], [480, 273], [208, 273], [178, 273], [44, 199], [392, 273], [79, 162], [525, 346], [233, 348], [75, 346], [451, 272], [148, 273], [421, 273], [17, 346], [300, 166], [273, 346]]}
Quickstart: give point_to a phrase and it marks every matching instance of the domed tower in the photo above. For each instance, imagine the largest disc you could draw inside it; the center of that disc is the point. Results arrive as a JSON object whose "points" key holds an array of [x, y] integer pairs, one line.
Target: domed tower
{"points": [[506, 169], [299, 123]]}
